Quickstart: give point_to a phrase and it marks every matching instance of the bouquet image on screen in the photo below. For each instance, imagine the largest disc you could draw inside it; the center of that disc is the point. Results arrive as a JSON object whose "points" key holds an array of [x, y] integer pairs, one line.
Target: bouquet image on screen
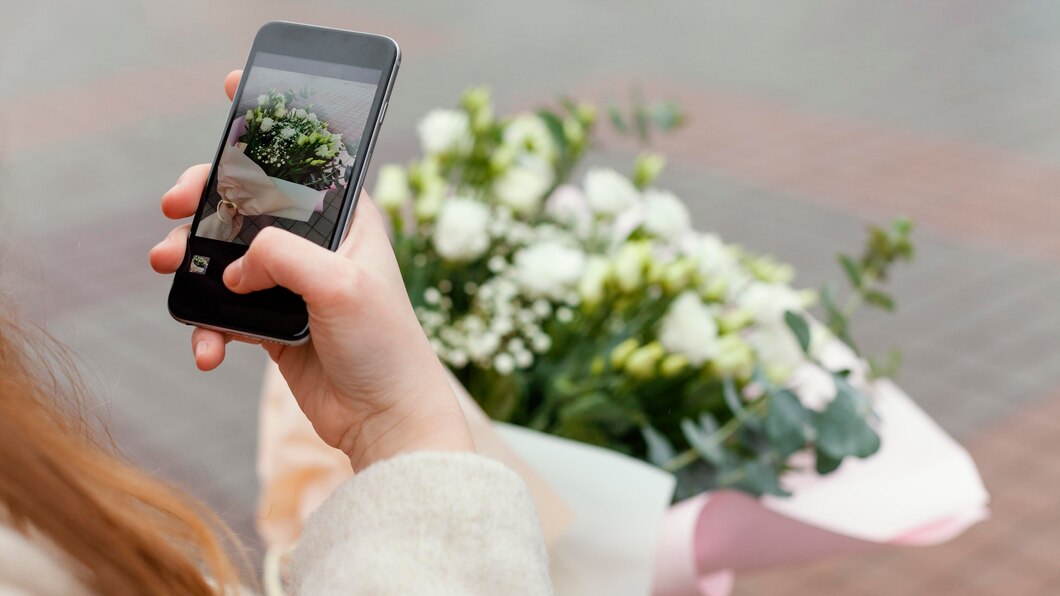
{"points": [[280, 159]]}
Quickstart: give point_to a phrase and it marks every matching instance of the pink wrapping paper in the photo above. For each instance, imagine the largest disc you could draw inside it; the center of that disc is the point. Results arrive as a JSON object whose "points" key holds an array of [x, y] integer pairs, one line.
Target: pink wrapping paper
{"points": [[921, 488]]}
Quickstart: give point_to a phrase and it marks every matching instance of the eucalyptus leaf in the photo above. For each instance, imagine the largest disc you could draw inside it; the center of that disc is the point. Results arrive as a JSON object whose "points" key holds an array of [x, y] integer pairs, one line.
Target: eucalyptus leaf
{"points": [[702, 438], [755, 477], [826, 464], [799, 328], [660, 450], [786, 422], [843, 427], [735, 404]]}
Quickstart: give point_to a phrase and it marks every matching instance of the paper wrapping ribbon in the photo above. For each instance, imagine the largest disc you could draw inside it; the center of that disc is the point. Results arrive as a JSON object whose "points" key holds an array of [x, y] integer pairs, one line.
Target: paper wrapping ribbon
{"points": [[920, 488], [246, 190]]}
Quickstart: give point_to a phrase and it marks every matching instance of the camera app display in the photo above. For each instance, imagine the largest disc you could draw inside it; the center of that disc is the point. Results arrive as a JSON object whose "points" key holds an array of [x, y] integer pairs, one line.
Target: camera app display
{"points": [[289, 152]]}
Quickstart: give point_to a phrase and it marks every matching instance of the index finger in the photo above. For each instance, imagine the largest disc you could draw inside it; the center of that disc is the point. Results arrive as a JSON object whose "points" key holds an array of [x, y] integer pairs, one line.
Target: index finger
{"points": [[232, 82]]}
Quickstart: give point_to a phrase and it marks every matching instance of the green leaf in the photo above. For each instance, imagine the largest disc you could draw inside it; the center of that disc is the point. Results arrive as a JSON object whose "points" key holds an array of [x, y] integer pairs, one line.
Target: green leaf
{"points": [[555, 127], [786, 422], [799, 328], [702, 438], [851, 269], [880, 299], [826, 464], [667, 115], [616, 119], [735, 403], [660, 450], [756, 477], [843, 427]]}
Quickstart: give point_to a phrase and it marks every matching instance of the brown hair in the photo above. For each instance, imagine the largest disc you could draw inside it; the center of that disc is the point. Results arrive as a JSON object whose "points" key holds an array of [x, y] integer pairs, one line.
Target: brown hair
{"points": [[61, 476]]}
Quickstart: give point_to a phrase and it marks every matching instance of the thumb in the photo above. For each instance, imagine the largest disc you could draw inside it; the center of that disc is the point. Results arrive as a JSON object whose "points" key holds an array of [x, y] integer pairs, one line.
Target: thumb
{"points": [[279, 258]]}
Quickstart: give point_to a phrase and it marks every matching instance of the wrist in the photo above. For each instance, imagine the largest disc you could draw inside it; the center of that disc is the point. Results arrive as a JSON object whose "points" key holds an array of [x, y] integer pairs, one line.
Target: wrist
{"points": [[388, 434]]}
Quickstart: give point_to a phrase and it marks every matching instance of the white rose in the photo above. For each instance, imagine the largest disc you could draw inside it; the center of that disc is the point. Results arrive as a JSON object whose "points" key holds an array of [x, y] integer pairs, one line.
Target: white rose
{"points": [[528, 133], [287, 132], [688, 328], [767, 303], [460, 232], [548, 269], [300, 113], [609, 192], [443, 131], [267, 124], [392, 187], [524, 185], [262, 99], [665, 215]]}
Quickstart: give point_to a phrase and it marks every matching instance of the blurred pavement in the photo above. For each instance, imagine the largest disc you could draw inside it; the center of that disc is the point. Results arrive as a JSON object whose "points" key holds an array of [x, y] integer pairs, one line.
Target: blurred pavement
{"points": [[807, 123]]}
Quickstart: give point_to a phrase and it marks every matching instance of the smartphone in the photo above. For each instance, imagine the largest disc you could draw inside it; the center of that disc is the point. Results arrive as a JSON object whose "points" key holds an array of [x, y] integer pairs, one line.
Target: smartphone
{"points": [[293, 155]]}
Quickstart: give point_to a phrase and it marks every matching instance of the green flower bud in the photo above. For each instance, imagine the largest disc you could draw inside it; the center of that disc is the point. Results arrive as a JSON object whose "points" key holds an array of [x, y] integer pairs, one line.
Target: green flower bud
{"points": [[733, 357], [622, 351], [597, 366], [586, 114], [678, 275], [642, 362], [734, 320], [631, 264], [647, 168], [673, 365], [476, 99]]}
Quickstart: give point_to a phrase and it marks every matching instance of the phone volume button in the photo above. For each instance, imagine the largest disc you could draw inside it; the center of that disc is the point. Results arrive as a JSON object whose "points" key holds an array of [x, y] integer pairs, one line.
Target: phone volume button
{"points": [[382, 111]]}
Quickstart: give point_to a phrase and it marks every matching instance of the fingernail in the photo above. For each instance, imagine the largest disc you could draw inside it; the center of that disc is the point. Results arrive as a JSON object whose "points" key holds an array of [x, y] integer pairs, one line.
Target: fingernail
{"points": [[200, 348], [233, 273]]}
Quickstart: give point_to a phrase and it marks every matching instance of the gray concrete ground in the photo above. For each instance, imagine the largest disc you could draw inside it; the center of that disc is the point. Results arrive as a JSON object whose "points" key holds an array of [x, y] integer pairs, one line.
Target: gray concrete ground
{"points": [[104, 103]]}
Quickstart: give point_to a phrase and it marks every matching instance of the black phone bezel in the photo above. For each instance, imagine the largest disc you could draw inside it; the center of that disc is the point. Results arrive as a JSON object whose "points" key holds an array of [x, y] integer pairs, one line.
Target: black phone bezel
{"points": [[278, 314]]}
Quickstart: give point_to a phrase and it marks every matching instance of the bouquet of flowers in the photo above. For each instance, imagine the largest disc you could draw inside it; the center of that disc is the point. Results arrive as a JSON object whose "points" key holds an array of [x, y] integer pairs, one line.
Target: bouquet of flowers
{"points": [[279, 160], [594, 311], [293, 143]]}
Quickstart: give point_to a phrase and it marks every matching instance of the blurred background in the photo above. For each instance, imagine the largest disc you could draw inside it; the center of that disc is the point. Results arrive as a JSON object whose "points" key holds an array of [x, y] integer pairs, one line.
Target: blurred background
{"points": [[807, 121]]}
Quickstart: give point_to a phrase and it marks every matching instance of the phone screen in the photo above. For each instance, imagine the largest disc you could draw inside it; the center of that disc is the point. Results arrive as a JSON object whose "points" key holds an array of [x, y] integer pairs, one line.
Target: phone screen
{"points": [[293, 152], [289, 152]]}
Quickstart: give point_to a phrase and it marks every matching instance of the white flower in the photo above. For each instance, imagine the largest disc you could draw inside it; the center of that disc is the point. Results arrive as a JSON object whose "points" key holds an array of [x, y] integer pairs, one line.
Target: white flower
{"points": [[689, 329], [300, 113], [768, 302], [777, 348], [312, 117], [443, 131], [528, 133], [287, 132], [267, 124], [609, 192], [391, 187], [569, 206], [323, 151], [665, 216], [524, 185], [548, 269], [460, 232], [262, 99]]}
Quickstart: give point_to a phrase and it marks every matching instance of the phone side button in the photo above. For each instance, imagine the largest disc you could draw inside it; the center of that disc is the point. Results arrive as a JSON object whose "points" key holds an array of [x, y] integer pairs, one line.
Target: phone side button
{"points": [[382, 111]]}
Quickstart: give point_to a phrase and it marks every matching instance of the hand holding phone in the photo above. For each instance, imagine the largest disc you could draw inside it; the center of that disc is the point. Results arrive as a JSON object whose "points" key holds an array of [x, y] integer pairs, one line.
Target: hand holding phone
{"points": [[293, 155], [368, 379]]}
